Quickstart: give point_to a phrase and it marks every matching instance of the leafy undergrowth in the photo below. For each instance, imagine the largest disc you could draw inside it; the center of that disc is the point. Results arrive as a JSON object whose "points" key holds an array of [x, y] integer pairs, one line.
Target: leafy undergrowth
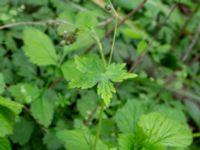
{"points": [[99, 75]]}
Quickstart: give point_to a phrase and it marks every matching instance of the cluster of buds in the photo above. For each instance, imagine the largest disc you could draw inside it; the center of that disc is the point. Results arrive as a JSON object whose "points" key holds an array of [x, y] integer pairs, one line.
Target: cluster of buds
{"points": [[69, 37]]}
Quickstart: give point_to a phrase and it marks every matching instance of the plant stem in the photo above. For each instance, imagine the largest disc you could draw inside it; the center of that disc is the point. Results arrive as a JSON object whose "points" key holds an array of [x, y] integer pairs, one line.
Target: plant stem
{"points": [[96, 38], [99, 126], [115, 31], [196, 135], [113, 44], [101, 53]]}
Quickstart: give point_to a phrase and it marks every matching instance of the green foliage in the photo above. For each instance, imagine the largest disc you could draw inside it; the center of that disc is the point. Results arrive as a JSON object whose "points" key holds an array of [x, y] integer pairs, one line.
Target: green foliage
{"points": [[2, 84], [154, 131], [42, 109], [22, 131], [13, 106], [67, 83], [39, 48], [7, 119], [4, 144], [162, 131], [84, 140], [89, 71], [86, 19], [8, 111], [24, 93], [128, 116]]}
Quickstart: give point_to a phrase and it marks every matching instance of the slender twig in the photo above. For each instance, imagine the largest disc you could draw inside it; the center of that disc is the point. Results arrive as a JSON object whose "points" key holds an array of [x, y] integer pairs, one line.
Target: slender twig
{"points": [[134, 11], [150, 44], [184, 26], [54, 83], [192, 44], [37, 23], [90, 116], [40, 23]]}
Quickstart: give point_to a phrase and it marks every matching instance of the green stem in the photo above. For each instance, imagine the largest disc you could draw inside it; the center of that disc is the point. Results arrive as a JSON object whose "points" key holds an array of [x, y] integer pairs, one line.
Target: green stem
{"points": [[96, 38], [115, 31], [101, 53], [99, 126], [196, 135], [113, 44]]}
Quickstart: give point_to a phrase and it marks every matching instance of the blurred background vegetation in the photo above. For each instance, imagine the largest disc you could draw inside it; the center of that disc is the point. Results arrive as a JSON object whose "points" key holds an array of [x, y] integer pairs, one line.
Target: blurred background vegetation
{"points": [[159, 40]]}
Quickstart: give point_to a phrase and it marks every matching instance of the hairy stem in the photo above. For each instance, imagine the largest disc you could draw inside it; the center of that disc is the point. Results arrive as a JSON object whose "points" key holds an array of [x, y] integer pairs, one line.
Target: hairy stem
{"points": [[99, 126]]}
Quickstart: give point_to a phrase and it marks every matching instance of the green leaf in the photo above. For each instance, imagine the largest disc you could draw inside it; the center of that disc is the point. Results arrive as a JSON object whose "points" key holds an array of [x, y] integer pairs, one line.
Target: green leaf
{"points": [[24, 93], [7, 120], [2, 84], [4, 144], [79, 140], [126, 142], [117, 73], [141, 46], [87, 103], [86, 19], [22, 131], [8, 111], [162, 131], [38, 47], [129, 4], [43, 110], [11, 105], [128, 116], [194, 111], [133, 141], [87, 71], [106, 89], [51, 140]]}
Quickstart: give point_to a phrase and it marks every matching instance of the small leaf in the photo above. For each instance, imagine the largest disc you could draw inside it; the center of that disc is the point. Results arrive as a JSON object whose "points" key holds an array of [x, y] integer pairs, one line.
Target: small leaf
{"points": [[87, 71], [117, 73], [141, 47], [7, 120], [11, 105], [51, 140], [194, 111], [126, 142], [38, 47], [79, 140], [87, 103], [43, 110], [106, 89], [22, 131], [86, 19], [128, 116], [24, 93], [4, 144], [164, 131]]}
